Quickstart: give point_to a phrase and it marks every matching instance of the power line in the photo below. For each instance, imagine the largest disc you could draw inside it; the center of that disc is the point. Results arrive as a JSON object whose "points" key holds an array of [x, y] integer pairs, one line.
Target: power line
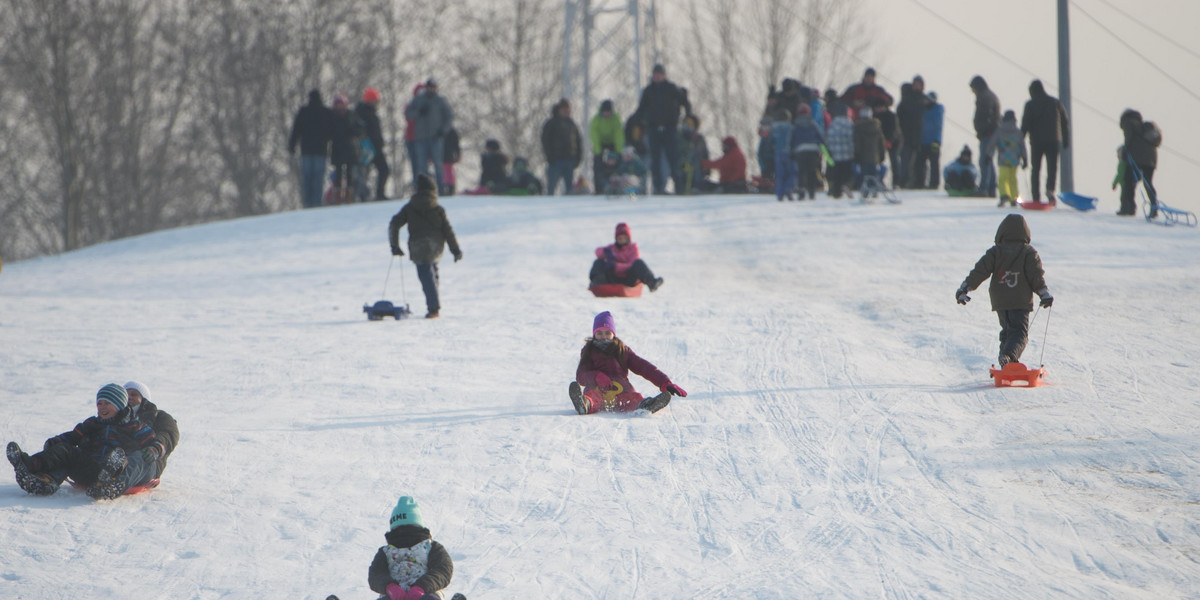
{"points": [[1147, 27]]}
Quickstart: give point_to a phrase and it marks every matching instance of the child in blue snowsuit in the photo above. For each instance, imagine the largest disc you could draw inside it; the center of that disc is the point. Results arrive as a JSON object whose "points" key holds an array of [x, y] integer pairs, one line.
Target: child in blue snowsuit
{"points": [[781, 142]]}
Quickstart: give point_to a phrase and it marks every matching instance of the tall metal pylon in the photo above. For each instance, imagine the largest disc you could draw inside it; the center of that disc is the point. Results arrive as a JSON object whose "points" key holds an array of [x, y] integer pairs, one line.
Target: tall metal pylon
{"points": [[605, 45]]}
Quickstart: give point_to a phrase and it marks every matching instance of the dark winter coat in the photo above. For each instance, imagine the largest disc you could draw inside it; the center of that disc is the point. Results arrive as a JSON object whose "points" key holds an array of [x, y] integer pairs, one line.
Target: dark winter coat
{"points": [[166, 432], [1013, 265], [561, 139], [1141, 139], [96, 436], [312, 129], [347, 130], [861, 94], [451, 148], [495, 171], [371, 127], [439, 569], [806, 136], [428, 229], [661, 103], [431, 116], [987, 109], [911, 113], [1045, 118], [593, 361], [868, 142], [893, 137], [635, 135]]}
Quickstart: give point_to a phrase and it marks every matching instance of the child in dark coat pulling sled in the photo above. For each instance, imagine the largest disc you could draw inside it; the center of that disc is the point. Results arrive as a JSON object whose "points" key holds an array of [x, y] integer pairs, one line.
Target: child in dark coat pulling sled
{"points": [[1017, 274], [602, 378]]}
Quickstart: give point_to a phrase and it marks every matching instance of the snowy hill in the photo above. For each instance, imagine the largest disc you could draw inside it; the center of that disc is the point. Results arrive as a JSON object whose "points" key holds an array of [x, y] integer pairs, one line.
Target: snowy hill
{"points": [[841, 438]]}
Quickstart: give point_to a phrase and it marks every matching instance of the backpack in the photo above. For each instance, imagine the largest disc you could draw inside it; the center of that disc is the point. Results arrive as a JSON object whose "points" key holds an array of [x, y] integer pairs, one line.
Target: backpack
{"points": [[1152, 134]]}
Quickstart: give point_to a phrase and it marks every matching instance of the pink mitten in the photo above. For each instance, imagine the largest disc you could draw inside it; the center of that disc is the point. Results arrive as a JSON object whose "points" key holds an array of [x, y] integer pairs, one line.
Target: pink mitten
{"points": [[602, 381], [674, 389], [395, 592], [414, 593]]}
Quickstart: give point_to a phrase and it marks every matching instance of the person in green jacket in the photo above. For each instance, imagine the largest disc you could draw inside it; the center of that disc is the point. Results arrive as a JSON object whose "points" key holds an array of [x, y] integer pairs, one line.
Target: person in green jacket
{"points": [[608, 138]]}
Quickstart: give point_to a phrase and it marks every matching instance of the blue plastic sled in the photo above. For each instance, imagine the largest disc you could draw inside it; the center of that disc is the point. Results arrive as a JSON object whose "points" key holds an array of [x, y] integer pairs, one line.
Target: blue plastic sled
{"points": [[1078, 201], [1153, 207], [383, 308]]}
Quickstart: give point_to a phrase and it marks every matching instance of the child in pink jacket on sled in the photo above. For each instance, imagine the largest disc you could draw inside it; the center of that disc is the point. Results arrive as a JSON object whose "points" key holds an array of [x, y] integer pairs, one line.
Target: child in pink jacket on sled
{"points": [[622, 263], [602, 378]]}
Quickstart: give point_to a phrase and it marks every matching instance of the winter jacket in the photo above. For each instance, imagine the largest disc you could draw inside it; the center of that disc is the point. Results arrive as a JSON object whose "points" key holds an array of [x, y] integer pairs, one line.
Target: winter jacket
{"points": [[987, 109], [371, 127], [312, 129], [431, 116], [451, 150], [1141, 139], [861, 94], [522, 182], [632, 166], [561, 140], [868, 142], [806, 137], [494, 167], [660, 104], [410, 125], [347, 130], [1013, 265], [911, 113], [96, 436], [410, 558], [893, 138], [960, 176], [600, 362], [428, 229], [1045, 118], [606, 132], [1010, 145], [621, 257], [931, 127], [635, 135], [731, 166], [166, 432], [781, 137], [841, 139], [693, 151]]}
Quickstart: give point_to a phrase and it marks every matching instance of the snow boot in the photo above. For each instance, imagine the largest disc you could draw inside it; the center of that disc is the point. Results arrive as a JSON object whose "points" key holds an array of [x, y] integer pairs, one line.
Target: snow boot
{"points": [[656, 403], [655, 284], [108, 485], [38, 484], [582, 405]]}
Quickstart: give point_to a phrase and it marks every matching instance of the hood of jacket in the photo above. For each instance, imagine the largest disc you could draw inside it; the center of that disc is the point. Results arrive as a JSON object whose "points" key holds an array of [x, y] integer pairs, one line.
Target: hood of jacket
{"points": [[1036, 89], [407, 536], [423, 200], [1013, 229]]}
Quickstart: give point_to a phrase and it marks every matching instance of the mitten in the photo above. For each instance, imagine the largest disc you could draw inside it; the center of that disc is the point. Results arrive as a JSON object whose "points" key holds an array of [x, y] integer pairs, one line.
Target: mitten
{"points": [[961, 296], [395, 592], [602, 381], [674, 389], [54, 441], [458, 256], [414, 593], [396, 251], [1047, 299]]}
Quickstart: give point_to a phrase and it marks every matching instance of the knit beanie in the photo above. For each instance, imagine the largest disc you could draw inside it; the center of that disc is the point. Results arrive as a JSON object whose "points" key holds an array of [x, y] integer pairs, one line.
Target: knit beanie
{"points": [[604, 320], [425, 183], [407, 512], [623, 229], [140, 387], [113, 394]]}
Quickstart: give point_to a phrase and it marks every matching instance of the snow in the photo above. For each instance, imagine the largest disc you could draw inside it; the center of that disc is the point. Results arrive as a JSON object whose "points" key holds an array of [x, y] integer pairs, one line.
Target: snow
{"points": [[841, 438]]}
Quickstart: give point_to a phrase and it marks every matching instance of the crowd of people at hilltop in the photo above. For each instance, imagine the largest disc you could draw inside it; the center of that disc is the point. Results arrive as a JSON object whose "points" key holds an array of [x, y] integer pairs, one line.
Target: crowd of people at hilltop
{"points": [[808, 141]]}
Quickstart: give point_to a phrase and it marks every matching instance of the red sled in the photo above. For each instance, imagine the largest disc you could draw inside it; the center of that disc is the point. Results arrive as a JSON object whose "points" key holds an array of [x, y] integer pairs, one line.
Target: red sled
{"points": [[616, 290], [1015, 374], [1031, 205], [137, 489]]}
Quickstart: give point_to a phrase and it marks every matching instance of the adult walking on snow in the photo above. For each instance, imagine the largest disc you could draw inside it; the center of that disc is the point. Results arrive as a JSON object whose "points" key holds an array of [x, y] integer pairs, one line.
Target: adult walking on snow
{"points": [[1046, 123], [563, 146], [659, 109], [367, 110], [311, 130], [428, 233], [432, 118], [1142, 139], [987, 121]]}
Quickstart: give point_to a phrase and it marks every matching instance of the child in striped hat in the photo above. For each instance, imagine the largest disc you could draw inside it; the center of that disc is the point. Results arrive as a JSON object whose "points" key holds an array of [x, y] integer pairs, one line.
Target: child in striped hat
{"points": [[100, 453], [412, 566]]}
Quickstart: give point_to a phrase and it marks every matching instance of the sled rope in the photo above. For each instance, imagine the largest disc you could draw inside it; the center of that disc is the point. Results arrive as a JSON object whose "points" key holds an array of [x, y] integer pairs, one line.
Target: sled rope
{"points": [[1042, 358], [388, 276]]}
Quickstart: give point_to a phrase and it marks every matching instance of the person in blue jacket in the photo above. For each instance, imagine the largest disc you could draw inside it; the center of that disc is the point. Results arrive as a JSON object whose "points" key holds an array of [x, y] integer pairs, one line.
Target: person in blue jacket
{"points": [[928, 156]]}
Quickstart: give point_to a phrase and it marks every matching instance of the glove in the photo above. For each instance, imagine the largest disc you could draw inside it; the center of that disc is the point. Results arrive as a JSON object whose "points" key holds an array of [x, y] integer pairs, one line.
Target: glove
{"points": [[602, 381], [151, 454], [395, 592], [674, 389], [414, 593], [458, 256], [396, 251], [54, 441], [1047, 299], [961, 296], [935, 146]]}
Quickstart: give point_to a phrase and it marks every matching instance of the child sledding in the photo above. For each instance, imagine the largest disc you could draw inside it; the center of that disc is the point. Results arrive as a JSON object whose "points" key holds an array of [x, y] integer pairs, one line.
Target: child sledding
{"points": [[602, 377], [619, 269]]}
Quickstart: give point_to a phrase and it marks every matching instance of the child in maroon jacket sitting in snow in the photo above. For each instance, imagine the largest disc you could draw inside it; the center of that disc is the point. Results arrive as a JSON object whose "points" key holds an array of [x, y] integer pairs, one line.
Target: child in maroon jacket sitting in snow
{"points": [[622, 263], [602, 378]]}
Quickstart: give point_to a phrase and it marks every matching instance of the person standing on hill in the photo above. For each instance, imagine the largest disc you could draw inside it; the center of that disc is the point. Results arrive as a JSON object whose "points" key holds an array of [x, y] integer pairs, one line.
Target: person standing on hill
{"points": [[987, 120], [432, 119], [1142, 139], [659, 109], [562, 145], [607, 135], [1010, 152], [429, 232], [911, 115], [929, 158], [311, 130], [367, 111], [1045, 122]]}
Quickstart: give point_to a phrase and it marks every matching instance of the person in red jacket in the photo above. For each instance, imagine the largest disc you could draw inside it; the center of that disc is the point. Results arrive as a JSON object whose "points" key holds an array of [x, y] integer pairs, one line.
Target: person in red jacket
{"points": [[731, 168], [602, 378], [622, 263]]}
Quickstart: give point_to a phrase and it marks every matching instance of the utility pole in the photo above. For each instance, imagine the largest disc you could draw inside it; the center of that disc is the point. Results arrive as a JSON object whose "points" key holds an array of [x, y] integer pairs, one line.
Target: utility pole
{"points": [[1064, 95]]}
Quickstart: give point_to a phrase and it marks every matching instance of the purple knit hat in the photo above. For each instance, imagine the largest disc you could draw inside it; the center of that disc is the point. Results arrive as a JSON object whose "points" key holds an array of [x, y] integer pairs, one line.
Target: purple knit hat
{"points": [[604, 320]]}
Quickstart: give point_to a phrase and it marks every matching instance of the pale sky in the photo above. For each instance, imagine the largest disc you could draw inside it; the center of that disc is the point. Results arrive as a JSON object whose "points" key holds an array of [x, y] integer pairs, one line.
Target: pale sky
{"points": [[1106, 75]]}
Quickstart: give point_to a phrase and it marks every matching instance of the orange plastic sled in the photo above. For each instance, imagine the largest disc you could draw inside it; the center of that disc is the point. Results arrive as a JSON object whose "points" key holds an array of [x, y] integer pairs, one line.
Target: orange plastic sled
{"points": [[616, 290], [1015, 374], [1031, 205], [137, 489]]}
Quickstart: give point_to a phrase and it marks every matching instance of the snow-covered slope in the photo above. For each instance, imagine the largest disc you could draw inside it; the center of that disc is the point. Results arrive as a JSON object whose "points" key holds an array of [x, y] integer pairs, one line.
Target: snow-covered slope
{"points": [[841, 438]]}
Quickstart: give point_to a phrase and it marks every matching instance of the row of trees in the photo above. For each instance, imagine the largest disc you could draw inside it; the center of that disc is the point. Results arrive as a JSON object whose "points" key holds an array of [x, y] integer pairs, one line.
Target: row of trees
{"points": [[120, 117]]}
